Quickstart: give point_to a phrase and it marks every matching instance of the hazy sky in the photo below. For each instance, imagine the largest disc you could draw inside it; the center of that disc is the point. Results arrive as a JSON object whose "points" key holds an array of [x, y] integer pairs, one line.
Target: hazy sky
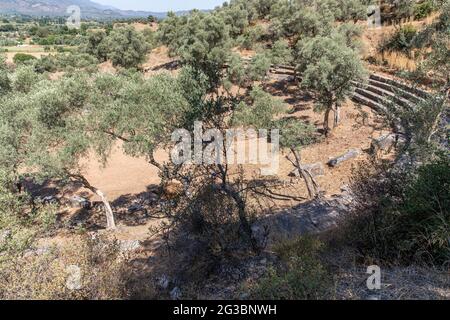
{"points": [[161, 5]]}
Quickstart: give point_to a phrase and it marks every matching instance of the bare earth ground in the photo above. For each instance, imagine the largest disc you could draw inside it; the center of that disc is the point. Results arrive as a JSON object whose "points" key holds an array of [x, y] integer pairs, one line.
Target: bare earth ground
{"points": [[10, 55]]}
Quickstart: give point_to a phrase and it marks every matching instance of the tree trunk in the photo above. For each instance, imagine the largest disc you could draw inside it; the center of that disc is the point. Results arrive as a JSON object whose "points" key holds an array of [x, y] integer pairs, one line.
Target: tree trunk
{"points": [[337, 115], [311, 184], [326, 122], [245, 224], [110, 222]]}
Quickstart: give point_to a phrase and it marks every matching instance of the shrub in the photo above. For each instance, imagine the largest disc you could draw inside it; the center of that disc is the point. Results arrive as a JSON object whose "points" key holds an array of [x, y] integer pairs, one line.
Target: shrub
{"points": [[401, 40], [5, 82], [250, 37], [423, 10], [302, 275], [22, 58], [45, 64], [401, 216], [25, 79]]}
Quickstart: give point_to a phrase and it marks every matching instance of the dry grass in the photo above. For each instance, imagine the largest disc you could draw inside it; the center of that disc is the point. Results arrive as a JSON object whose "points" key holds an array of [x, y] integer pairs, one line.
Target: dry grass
{"points": [[44, 274], [396, 60], [411, 283]]}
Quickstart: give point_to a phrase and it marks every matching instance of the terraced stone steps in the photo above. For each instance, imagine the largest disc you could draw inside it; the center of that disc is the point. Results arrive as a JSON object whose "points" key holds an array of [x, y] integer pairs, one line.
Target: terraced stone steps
{"points": [[381, 91], [387, 87], [358, 98], [380, 96], [399, 85]]}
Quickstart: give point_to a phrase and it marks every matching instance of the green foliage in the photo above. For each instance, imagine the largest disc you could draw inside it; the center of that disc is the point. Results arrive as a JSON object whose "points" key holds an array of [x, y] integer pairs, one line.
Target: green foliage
{"points": [[302, 275], [350, 34], [259, 67], [19, 225], [46, 64], [236, 16], [194, 85], [251, 36], [402, 216], [76, 61], [296, 134], [5, 82], [143, 112], [126, 47], [438, 37], [150, 37], [402, 40], [22, 58], [328, 67], [295, 18], [281, 53], [423, 9], [25, 78], [264, 7], [237, 71], [97, 45], [201, 40], [260, 114]]}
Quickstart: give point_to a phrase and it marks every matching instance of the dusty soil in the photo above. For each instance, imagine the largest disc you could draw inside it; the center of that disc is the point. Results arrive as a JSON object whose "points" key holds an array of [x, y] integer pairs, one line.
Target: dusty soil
{"points": [[158, 60]]}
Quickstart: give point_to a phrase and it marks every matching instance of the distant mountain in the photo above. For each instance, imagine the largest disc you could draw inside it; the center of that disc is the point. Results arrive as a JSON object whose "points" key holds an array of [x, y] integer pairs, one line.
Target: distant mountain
{"points": [[57, 8]]}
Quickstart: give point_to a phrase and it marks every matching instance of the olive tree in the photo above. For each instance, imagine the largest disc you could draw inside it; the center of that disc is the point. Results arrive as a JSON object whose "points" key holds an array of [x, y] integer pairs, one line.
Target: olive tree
{"points": [[24, 79], [328, 68], [126, 47], [236, 16], [142, 113], [97, 45], [60, 137], [5, 81], [300, 19], [202, 41]]}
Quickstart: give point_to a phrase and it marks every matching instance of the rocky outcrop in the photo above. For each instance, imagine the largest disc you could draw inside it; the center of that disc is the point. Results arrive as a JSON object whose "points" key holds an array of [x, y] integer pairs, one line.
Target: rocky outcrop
{"points": [[316, 216]]}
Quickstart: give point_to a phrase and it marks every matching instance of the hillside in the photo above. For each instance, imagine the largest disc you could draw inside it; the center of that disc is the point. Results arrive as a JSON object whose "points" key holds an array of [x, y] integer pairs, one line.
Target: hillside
{"points": [[89, 9]]}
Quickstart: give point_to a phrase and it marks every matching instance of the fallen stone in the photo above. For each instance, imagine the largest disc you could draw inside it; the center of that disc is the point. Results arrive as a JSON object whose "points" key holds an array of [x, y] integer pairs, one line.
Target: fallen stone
{"points": [[5, 235], [79, 202], [129, 245], [383, 143], [49, 200], [135, 208], [163, 282], [175, 294], [316, 170], [353, 153], [312, 217]]}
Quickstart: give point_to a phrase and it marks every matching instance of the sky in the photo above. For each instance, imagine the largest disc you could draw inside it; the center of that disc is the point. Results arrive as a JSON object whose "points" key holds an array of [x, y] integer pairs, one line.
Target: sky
{"points": [[161, 5]]}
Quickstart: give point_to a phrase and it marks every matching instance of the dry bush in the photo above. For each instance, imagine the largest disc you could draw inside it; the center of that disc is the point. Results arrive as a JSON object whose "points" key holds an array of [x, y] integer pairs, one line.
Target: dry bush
{"points": [[210, 220], [44, 274], [301, 275], [400, 216]]}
